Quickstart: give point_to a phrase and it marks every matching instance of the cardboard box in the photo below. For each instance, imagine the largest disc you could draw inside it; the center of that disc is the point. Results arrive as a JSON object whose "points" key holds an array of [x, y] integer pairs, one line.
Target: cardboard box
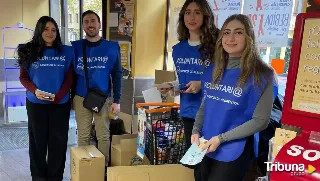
{"points": [[162, 76], [127, 121], [168, 172], [123, 149], [87, 163], [281, 137]]}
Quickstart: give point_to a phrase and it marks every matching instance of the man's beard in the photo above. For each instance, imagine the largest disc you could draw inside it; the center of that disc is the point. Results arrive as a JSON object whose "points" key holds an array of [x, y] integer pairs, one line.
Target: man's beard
{"points": [[92, 35]]}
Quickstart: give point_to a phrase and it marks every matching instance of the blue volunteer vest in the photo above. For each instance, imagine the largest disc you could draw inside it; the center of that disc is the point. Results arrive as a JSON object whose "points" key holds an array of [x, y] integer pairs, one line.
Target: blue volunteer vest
{"points": [[225, 108], [48, 72], [100, 61], [189, 68]]}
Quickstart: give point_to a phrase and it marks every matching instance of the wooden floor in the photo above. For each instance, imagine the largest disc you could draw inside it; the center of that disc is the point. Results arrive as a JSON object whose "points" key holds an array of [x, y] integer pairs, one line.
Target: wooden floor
{"points": [[14, 166]]}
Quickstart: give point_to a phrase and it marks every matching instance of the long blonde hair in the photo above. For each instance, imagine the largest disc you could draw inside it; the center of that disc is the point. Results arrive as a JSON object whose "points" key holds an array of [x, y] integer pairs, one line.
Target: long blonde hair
{"points": [[250, 62]]}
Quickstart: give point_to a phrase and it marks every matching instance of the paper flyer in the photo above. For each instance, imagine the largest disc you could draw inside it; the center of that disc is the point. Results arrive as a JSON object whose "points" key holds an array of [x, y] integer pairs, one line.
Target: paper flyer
{"points": [[194, 155]]}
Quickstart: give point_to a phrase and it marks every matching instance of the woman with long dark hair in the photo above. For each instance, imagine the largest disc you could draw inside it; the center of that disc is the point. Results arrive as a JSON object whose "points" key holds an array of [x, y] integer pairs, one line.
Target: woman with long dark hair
{"points": [[46, 73], [197, 35]]}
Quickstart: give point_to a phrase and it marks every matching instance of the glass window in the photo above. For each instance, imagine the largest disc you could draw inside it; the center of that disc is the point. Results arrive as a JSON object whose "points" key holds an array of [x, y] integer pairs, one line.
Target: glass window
{"points": [[285, 52], [73, 28], [70, 19], [77, 18], [55, 11], [96, 6]]}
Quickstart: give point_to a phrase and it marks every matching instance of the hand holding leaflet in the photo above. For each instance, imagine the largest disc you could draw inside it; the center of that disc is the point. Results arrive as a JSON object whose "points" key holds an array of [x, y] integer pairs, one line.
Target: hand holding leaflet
{"points": [[195, 153]]}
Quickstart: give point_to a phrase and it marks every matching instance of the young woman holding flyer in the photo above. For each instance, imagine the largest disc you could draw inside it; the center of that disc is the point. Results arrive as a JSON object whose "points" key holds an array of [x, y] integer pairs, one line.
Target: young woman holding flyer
{"points": [[238, 97]]}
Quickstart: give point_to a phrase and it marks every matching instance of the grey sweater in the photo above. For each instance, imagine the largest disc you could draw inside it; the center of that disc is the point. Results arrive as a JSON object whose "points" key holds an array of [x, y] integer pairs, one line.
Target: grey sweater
{"points": [[260, 118]]}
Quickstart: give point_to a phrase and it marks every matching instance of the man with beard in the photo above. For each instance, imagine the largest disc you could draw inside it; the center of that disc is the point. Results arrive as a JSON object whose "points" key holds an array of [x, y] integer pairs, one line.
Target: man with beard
{"points": [[102, 59]]}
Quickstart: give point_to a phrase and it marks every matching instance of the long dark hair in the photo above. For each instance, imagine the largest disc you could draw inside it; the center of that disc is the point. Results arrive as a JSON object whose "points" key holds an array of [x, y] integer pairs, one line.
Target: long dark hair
{"points": [[31, 51], [209, 32], [251, 62]]}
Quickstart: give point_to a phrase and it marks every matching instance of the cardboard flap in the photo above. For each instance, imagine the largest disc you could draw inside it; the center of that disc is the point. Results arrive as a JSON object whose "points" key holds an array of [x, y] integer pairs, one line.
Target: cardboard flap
{"points": [[87, 152], [150, 173], [128, 144], [116, 138], [126, 173], [134, 176], [162, 76]]}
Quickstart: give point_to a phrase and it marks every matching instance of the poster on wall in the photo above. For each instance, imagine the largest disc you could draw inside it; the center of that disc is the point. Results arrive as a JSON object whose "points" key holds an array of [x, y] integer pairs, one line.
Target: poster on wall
{"points": [[125, 51], [306, 95], [120, 20], [271, 21], [222, 9]]}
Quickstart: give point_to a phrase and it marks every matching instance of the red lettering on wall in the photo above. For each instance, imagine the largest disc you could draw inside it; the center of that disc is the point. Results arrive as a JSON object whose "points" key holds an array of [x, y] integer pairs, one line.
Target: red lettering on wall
{"points": [[260, 31], [215, 5], [259, 5]]}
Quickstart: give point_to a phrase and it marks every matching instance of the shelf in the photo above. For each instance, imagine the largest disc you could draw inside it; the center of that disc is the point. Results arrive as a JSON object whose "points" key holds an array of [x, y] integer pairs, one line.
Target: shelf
{"points": [[10, 48], [11, 68], [15, 93]]}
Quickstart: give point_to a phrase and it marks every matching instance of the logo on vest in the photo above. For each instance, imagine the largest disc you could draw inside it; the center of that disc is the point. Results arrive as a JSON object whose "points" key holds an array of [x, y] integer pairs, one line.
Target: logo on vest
{"points": [[192, 61], [61, 58], [80, 66], [235, 91], [188, 71], [92, 62], [53, 62], [35, 65]]}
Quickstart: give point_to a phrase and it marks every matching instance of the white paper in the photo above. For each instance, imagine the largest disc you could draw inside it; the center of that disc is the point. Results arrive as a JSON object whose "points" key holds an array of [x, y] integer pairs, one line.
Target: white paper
{"points": [[113, 20], [152, 95], [194, 155]]}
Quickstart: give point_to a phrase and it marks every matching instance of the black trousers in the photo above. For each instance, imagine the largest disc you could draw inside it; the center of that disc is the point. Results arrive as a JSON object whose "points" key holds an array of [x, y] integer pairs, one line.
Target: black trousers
{"points": [[213, 170], [188, 126], [48, 127]]}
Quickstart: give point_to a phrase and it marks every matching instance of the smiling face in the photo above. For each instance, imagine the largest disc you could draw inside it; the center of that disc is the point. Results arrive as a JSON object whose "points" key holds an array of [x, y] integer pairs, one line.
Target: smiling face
{"points": [[193, 17], [91, 25], [49, 33], [234, 39]]}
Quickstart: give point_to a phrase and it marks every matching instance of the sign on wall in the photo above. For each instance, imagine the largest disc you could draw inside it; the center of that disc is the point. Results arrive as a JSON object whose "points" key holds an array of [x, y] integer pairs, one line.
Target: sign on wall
{"points": [[271, 21], [125, 51], [222, 9], [120, 20], [306, 95]]}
